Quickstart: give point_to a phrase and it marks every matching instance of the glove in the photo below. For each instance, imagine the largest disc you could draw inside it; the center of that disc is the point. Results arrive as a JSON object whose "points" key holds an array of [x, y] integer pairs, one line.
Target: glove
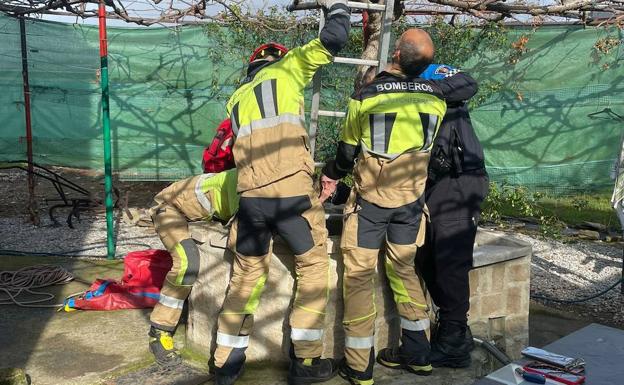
{"points": [[327, 4]]}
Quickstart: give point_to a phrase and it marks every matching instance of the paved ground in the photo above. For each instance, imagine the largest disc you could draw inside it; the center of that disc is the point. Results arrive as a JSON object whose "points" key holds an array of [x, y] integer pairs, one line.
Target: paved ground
{"points": [[153, 375]]}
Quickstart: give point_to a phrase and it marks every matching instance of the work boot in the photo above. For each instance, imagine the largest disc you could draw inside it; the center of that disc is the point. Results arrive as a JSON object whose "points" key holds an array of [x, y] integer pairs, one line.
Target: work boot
{"points": [[355, 377], [221, 378], [232, 369], [161, 346], [451, 345], [311, 370], [392, 358]]}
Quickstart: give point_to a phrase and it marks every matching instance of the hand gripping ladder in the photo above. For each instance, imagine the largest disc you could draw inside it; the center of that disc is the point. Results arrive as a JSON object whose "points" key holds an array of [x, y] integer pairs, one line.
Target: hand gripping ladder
{"points": [[387, 10]]}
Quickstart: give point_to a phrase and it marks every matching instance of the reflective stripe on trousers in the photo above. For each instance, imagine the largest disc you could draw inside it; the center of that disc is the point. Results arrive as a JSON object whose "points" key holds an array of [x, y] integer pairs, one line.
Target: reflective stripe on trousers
{"points": [[232, 341]]}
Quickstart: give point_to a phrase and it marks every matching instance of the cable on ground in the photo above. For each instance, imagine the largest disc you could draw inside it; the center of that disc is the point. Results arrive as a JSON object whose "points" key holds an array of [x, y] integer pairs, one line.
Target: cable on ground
{"points": [[601, 293]]}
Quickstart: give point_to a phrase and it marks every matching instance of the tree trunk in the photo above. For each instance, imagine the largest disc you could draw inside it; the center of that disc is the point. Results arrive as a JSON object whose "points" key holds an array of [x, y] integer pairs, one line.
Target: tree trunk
{"points": [[372, 31]]}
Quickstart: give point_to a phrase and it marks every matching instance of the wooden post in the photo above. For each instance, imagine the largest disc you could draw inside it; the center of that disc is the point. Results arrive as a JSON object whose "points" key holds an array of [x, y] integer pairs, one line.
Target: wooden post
{"points": [[32, 203]]}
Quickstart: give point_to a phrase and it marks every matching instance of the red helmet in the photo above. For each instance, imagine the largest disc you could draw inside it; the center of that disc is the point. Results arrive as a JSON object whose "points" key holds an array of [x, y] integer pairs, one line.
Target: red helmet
{"points": [[271, 48]]}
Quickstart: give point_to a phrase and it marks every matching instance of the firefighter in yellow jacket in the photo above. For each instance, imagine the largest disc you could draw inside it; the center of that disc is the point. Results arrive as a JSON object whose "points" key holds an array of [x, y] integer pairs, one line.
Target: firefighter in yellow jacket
{"points": [[275, 169], [389, 129], [201, 197]]}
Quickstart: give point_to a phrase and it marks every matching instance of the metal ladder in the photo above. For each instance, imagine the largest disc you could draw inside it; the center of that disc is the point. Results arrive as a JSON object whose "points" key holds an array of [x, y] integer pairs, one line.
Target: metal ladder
{"points": [[384, 44]]}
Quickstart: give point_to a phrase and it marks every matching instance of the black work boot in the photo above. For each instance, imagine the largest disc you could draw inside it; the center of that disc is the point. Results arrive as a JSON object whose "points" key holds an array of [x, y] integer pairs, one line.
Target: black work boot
{"points": [[355, 377], [232, 369], [161, 346], [311, 370], [392, 358], [451, 345], [412, 355]]}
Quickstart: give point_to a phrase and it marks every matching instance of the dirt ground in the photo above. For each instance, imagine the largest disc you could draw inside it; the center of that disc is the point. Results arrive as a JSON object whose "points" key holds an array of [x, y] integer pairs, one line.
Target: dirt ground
{"points": [[14, 191]]}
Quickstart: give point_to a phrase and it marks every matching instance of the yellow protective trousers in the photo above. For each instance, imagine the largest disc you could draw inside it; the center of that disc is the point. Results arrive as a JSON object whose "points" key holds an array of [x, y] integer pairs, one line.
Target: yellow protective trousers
{"points": [[367, 227], [174, 207], [300, 221]]}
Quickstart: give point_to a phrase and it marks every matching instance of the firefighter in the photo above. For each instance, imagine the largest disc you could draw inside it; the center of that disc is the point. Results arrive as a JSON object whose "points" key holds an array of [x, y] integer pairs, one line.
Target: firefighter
{"points": [[201, 197], [388, 133], [271, 151], [456, 187]]}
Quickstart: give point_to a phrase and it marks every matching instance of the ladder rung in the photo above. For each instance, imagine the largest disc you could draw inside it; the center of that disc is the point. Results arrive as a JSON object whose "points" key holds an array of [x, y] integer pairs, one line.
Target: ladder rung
{"points": [[337, 114], [307, 5], [352, 60], [367, 6]]}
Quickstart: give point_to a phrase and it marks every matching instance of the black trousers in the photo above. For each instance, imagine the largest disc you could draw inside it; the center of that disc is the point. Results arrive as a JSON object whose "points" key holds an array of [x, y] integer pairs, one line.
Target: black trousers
{"points": [[454, 203], [260, 218]]}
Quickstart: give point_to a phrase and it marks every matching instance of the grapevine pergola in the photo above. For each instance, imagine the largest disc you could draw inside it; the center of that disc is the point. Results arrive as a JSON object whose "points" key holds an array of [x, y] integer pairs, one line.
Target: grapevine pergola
{"points": [[185, 11]]}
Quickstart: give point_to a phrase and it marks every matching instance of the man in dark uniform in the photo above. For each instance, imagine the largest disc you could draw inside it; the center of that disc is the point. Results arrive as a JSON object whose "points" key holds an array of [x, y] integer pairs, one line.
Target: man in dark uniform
{"points": [[457, 184]]}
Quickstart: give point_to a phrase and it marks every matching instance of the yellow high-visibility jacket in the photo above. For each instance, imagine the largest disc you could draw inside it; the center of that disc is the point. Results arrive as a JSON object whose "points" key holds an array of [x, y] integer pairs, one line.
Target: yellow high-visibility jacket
{"points": [[267, 110], [390, 127]]}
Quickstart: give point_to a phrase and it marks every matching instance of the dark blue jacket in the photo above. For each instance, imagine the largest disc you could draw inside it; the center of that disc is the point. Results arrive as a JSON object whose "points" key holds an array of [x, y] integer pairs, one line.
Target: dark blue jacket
{"points": [[457, 143]]}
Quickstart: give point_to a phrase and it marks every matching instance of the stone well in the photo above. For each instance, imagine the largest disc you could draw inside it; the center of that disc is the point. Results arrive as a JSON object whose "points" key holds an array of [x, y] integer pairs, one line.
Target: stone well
{"points": [[499, 297]]}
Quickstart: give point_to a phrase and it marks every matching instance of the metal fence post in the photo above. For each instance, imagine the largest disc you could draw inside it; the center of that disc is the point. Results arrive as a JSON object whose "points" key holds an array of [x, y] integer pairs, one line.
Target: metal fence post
{"points": [[108, 177]]}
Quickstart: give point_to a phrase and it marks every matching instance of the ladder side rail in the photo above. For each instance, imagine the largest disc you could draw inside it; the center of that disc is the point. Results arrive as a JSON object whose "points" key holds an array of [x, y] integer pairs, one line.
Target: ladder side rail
{"points": [[316, 99], [385, 34]]}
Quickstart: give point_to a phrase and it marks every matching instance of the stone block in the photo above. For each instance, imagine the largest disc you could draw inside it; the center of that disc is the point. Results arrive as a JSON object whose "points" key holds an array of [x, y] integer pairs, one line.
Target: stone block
{"points": [[492, 305], [478, 326], [497, 277], [589, 234], [474, 311], [474, 277], [515, 300], [485, 281], [518, 271], [493, 247], [516, 334]]}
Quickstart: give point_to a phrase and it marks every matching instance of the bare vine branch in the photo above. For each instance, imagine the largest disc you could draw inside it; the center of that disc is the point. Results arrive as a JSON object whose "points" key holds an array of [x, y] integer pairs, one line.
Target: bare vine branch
{"points": [[180, 11]]}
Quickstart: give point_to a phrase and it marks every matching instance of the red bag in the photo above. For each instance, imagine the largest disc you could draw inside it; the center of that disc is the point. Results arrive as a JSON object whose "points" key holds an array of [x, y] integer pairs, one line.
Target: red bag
{"points": [[218, 156], [144, 275], [146, 268]]}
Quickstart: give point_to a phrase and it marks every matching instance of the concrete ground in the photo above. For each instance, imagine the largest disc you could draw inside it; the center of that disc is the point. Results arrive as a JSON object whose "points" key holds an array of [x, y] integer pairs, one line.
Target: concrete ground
{"points": [[59, 348], [88, 347]]}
